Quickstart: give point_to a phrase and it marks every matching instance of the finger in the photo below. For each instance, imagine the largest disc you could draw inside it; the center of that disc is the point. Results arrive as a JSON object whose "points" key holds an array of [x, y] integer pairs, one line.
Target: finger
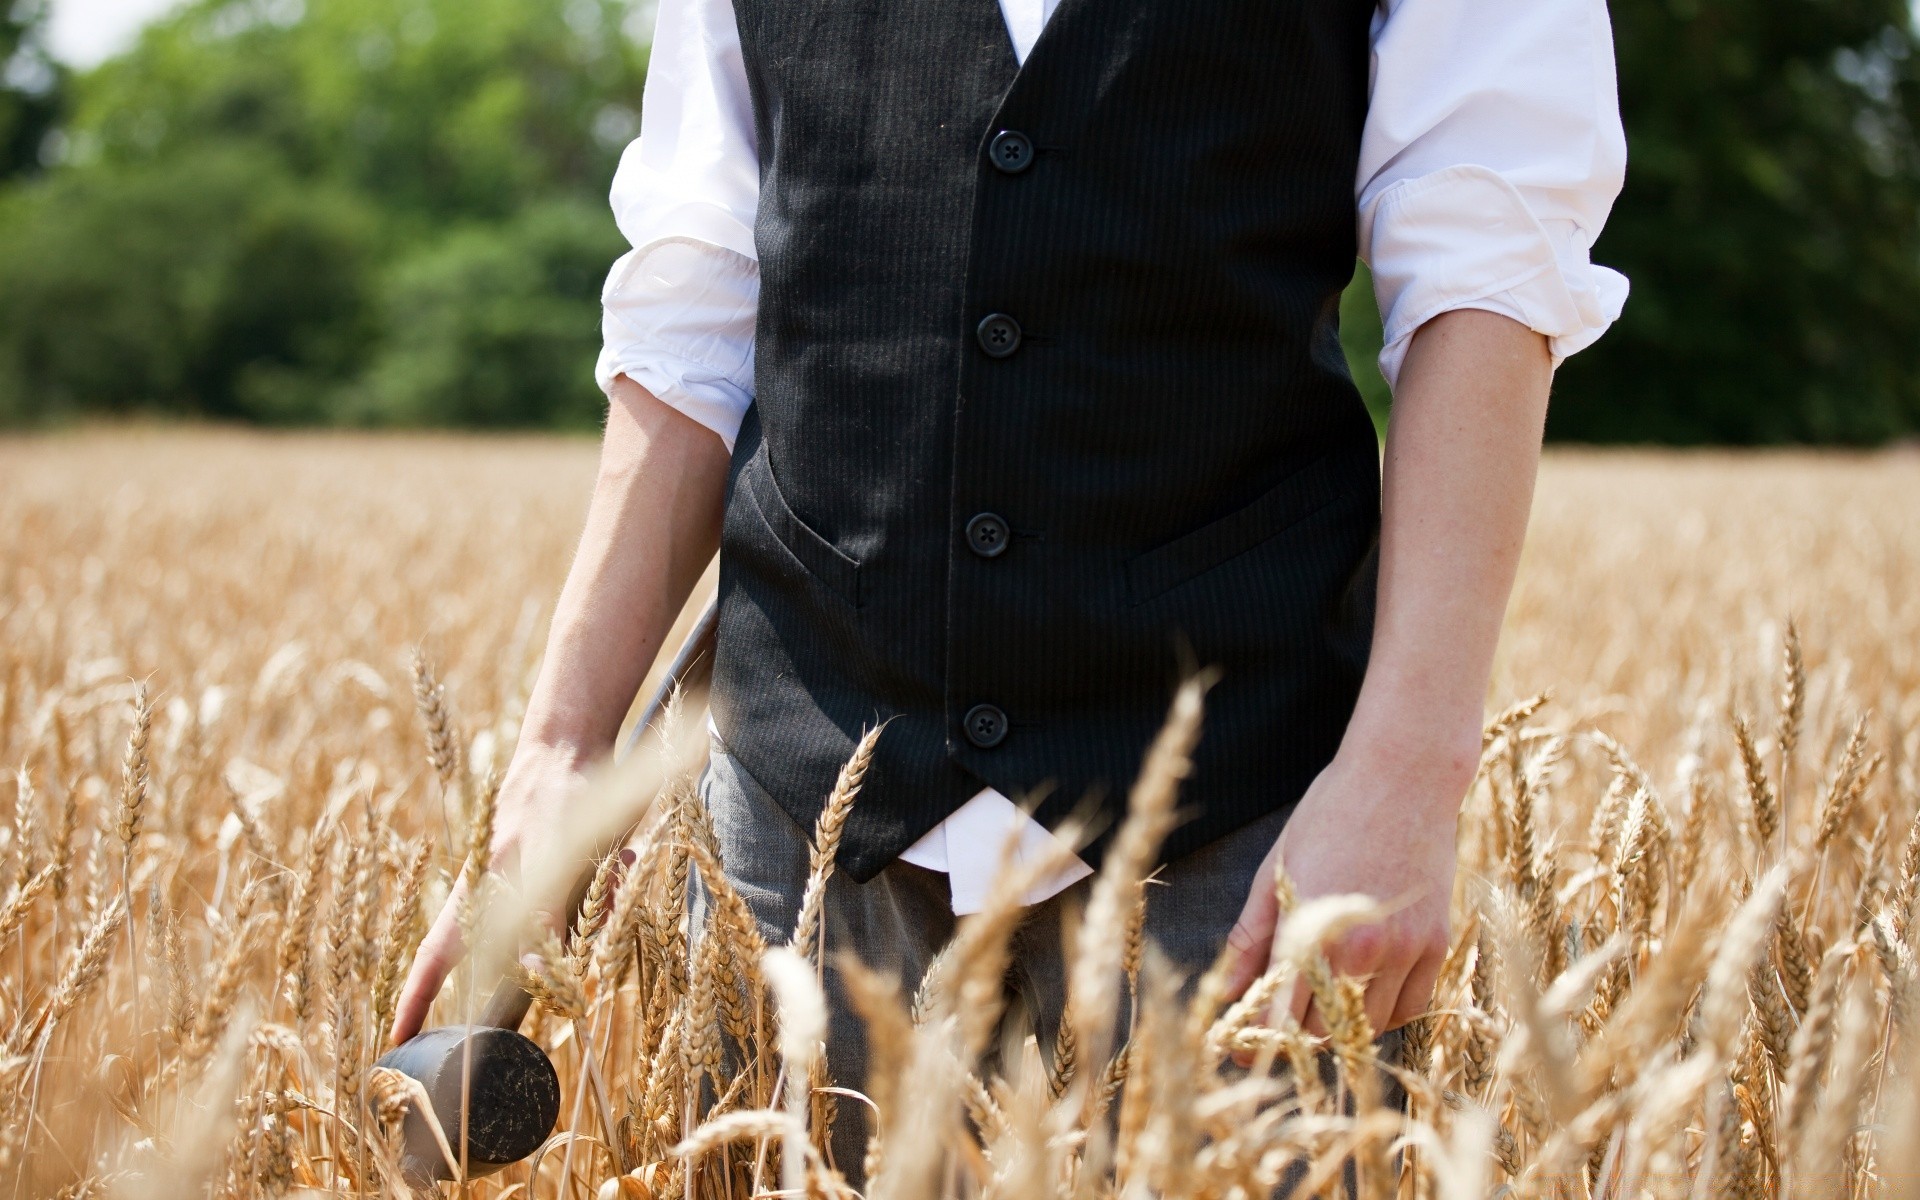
{"points": [[1299, 1002], [1363, 953], [433, 961], [1359, 952], [1416, 994], [1252, 935], [1383, 997], [1310, 1018]]}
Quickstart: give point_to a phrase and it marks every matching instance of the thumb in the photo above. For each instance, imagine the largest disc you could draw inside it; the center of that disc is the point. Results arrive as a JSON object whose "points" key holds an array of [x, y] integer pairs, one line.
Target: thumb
{"points": [[433, 961]]}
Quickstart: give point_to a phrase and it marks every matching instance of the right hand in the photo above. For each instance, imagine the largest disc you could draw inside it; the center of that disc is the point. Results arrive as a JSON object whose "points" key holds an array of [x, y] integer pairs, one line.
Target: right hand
{"points": [[539, 784]]}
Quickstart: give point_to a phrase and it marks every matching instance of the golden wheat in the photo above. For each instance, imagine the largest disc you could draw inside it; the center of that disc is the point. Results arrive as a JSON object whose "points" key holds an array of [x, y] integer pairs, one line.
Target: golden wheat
{"points": [[254, 692]]}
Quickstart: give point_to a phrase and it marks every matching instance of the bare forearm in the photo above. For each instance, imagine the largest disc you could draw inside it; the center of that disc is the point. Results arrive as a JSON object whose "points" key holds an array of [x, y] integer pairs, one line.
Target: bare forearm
{"points": [[1463, 448], [1462, 451], [653, 526]]}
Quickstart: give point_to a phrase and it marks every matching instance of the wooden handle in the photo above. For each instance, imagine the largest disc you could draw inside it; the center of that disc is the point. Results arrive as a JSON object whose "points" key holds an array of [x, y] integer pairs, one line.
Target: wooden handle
{"points": [[507, 1007], [692, 667]]}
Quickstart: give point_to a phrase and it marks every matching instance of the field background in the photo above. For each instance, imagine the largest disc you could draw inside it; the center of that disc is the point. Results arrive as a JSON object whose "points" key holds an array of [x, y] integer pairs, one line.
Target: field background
{"points": [[271, 589], [1653, 581]]}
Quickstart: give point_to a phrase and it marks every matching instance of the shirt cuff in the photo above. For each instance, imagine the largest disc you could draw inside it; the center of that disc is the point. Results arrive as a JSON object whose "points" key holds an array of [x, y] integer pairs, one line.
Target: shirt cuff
{"points": [[677, 317], [687, 387], [1464, 237]]}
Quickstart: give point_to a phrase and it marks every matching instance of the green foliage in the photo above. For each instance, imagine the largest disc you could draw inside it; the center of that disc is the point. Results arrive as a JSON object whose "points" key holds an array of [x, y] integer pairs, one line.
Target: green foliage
{"points": [[1360, 337], [495, 325], [30, 85], [392, 211], [210, 283], [439, 108], [375, 211], [1770, 226]]}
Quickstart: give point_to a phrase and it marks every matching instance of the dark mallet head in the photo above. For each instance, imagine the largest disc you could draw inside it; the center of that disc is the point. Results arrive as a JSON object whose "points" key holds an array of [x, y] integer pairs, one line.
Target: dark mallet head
{"points": [[513, 1097]]}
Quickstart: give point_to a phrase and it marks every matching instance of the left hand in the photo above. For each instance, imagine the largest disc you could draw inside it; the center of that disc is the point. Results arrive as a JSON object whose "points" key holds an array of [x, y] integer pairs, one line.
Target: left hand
{"points": [[1370, 826]]}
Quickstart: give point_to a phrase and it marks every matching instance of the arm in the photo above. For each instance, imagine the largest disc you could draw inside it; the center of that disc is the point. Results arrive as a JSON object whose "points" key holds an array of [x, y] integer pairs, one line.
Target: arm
{"points": [[1491, 155], [678, 315], [652, 527], [1462, 448]]}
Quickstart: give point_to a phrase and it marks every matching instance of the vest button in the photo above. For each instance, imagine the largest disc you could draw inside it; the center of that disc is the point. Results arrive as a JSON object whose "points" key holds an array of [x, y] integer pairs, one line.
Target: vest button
{"points": [[1011, 151], [987, 536], [985, 726], [999, 335]]}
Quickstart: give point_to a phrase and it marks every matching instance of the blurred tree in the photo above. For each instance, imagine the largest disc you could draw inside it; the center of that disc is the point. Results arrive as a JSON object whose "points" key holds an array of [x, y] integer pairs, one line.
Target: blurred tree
{"points": [[495, 325], [212, 283], [30, 85], [366, 210], [439, 108], [1770, 226]]}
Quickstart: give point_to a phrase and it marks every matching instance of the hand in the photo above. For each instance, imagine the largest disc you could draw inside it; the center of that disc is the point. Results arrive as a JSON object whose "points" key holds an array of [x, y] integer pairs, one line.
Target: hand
{"points": [[1377, 828], [526, 827]]}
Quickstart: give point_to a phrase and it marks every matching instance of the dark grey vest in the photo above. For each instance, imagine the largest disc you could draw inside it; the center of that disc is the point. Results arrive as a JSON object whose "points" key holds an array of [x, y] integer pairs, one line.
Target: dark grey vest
{"points": [[1050, 406]]}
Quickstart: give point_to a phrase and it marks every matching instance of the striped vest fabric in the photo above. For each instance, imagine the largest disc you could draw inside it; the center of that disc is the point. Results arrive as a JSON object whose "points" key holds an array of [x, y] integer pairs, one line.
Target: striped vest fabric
{"points": [[1050, 407]]}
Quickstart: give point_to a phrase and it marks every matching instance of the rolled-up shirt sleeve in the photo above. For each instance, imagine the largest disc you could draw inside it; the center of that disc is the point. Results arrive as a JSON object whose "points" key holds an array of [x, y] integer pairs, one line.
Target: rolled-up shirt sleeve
{"points": [[1492, 153], [677, 311]]}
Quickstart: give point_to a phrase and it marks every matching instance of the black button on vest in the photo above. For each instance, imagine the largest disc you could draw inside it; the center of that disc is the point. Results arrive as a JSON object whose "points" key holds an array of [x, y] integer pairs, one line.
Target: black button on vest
{"points": [[988, 535], [999, 334], [1195, 477], [1011, 151], [985, 726]]}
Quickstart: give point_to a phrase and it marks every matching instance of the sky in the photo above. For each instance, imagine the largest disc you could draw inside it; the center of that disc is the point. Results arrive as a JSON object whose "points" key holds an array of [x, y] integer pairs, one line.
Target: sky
{"points": [[84, 32]]}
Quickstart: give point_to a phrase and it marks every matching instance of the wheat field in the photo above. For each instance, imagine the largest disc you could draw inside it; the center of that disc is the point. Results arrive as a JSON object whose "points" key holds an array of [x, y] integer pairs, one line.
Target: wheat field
{"points": [[253, 690]]}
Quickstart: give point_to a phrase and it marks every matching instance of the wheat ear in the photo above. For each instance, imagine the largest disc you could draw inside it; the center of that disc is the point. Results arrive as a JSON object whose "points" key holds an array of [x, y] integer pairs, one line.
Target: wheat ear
{"points": [[295, 953], [89, 963], [136, 771], [23, 827], [402, 932], [21, 901], [1793, 703], [1760, 793], [826, 844], [1099, 954]]}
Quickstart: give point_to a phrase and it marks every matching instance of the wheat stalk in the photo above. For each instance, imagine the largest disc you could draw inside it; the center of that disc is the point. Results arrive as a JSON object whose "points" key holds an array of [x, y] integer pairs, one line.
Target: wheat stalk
{"points": [[1654, 1012]]}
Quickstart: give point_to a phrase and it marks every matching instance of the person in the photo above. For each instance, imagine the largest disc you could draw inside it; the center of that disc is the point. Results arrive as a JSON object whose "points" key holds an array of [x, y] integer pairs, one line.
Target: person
{"points": [[994, 345]]}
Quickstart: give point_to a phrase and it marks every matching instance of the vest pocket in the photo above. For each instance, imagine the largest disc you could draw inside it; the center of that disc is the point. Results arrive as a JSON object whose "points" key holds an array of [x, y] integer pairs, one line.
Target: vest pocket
{"points": [[1292, 500], [815, 554]]}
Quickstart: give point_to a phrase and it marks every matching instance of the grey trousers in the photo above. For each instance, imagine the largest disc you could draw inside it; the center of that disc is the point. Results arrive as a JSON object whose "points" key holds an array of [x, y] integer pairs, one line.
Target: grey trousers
{"points": [[898, 921]]}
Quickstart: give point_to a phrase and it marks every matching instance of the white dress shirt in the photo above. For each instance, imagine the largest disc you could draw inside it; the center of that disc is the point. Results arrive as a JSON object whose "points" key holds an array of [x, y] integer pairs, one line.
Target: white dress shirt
{"points": [[1491, 155]]}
